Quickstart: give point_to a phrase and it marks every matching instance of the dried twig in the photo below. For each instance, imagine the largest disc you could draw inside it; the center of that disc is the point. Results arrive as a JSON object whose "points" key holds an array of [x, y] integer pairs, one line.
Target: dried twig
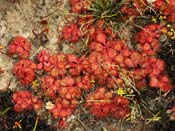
{"points": [[84, 127]]}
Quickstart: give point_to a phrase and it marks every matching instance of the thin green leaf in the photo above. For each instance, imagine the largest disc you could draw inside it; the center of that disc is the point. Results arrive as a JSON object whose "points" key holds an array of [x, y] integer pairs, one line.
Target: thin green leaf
{"points": [[5, 111]]}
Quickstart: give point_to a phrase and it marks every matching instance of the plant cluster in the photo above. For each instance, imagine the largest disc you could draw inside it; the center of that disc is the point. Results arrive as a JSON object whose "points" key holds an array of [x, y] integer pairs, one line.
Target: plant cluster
{"points": [[24, 100], [24, 70], [103, 103], [79, 6], [71, 33], [20, 46], [167, 8], [11, 120], [107, 66]]}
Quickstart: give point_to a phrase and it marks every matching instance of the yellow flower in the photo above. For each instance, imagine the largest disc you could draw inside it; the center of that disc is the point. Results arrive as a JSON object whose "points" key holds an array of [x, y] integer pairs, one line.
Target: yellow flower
{"points": [[121, 92], [92, 81], [154, 20], [35, 83]]}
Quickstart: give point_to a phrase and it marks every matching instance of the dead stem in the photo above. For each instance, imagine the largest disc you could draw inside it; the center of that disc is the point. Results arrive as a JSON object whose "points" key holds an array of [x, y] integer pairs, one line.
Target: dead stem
{"points": [[83, 101], [146, 108], [166, 94], [84, 127], [98, 101], [86, 23], [129, 82], [154, 118]]}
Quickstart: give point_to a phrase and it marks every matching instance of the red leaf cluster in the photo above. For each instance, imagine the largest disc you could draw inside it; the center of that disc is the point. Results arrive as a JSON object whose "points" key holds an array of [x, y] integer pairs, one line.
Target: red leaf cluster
{"points": [[63, 107], [79, 6], [102, 103], [62, 123], [71, 33], [167, 8], [19, 46], [49, 86], [24, 100], [64, 92], [133, 7], [75, 65], [66, 101], [153, 67], [148, 39], [83, 82], [120, 107], [43, 58], [54, 64], [107, 53], [24, 70]]}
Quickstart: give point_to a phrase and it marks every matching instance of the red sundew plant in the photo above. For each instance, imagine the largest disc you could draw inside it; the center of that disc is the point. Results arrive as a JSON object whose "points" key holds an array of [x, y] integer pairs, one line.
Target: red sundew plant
{"points": [[99, 102], [108, 78], [66, 103], [162, 82], [64, 87], [155, 68], [24, 100], [24, 70], [75, 65], [104, 104], [43, 58], [71, 33], [63, 108], [148, 38], [56, 65], [84, 82], [19, 46], [79, 6], [120, 107], [107, 47], [133, 7], [167, 8], [49, 86]]}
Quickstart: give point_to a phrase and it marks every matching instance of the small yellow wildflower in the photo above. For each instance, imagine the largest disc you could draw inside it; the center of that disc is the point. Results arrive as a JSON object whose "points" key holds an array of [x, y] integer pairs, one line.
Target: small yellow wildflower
{"points": [[35, 83], [92, 81], [121, 92], [154, 19]]}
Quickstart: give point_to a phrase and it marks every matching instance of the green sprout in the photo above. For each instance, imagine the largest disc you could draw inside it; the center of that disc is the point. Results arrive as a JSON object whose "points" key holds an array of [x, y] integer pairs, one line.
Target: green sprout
{"points": [[36, 123], [106, 9], [5, 111]]}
